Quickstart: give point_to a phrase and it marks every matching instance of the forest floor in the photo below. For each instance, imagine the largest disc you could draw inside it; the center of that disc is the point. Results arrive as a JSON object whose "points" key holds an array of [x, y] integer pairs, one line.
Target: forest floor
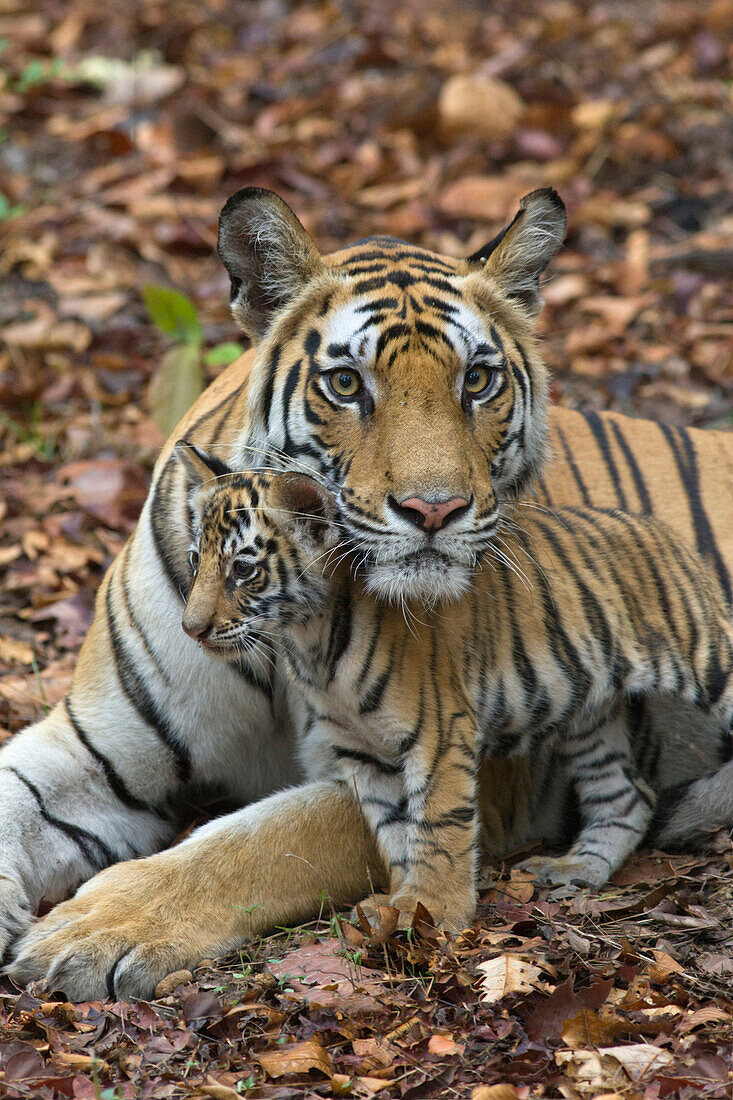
{"points": [[123, 128]]}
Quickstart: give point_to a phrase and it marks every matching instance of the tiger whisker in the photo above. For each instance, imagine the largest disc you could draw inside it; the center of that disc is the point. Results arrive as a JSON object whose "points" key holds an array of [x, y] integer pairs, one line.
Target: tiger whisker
{"points": [[507, 550], [319, 558]]}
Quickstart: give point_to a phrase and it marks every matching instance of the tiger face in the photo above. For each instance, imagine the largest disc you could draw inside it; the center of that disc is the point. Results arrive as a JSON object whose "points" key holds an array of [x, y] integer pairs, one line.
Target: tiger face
{"points": [[409, 381], [260, 546]]}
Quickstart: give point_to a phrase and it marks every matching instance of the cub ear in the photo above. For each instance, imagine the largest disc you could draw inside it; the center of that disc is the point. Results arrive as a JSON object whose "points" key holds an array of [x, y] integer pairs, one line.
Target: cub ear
{"points": [[304, 508], [268, 254], [199, 465], [518, 255]]}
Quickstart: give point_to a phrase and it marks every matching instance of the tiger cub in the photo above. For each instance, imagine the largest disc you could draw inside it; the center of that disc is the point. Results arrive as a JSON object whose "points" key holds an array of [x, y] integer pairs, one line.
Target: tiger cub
{"points": [[580, 615]]}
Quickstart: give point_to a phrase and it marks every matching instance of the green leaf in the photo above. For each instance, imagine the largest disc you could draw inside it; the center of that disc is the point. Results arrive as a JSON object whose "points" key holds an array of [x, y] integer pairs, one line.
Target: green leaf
{"points": [[173, 313], [8, 211], [223, 354], [33, 74], [176, 384]]}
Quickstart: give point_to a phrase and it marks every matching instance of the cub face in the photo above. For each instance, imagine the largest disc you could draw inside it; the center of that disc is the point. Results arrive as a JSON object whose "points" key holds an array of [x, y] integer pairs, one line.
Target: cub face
{"points": [[260, 549], [409, 381]]}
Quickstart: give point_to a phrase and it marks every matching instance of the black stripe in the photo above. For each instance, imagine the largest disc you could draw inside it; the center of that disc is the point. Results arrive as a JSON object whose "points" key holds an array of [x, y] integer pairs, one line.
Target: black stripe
{"points": [[248, 674], [689, 473], [364, 758], [84, 840], [390, 254], [114, 779], [291, 383], [340, 635], [593, 853], [160, 525], [270, 384], [636, 474], [410, 740], [592, 607], [135, 622], [541, 487], [596, 426], [376, 633], [424, 328], [462, 815], [373, 697], [605, 546], [134, 688], [392, 332], [573, 466]]}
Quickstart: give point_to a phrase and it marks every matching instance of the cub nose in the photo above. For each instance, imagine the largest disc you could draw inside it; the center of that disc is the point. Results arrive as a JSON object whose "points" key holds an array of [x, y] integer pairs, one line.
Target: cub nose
{"points": [[196, 630], [430, 515]]}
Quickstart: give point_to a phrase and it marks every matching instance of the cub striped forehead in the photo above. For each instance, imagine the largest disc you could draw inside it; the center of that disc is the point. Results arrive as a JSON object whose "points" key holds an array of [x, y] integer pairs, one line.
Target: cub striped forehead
{"points": [[251, 498], [220, 495]]}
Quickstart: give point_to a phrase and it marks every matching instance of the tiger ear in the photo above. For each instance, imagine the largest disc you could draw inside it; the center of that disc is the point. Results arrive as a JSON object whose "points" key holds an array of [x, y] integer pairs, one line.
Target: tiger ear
{"points": [[517, 256], [199, 465], [304, 508], [268, 255]]}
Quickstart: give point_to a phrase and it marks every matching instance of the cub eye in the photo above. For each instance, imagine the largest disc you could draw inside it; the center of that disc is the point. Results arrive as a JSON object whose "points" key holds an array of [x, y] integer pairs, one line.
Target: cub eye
{"points": [[478, 381], [243, 569], [344, 382], [193, 561]]}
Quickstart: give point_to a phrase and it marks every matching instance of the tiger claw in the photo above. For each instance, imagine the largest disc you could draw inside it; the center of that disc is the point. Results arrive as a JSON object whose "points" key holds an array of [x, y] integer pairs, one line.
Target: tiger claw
{"points": [[566, 870]]}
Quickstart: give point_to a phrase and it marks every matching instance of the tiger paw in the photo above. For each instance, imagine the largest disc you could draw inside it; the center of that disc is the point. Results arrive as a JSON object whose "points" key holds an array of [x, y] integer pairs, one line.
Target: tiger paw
{"points": [[110, 940], [445, 916], [371, 908], [567, 870]]}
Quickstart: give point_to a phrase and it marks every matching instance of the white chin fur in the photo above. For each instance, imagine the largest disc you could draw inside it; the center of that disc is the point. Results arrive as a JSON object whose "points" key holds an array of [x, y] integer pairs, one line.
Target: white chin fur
{"points": [[427, 582]]}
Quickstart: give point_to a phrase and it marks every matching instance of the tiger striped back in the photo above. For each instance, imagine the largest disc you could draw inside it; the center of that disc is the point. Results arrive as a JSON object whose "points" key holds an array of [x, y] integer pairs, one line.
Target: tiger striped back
{"points": [[682, 476]]}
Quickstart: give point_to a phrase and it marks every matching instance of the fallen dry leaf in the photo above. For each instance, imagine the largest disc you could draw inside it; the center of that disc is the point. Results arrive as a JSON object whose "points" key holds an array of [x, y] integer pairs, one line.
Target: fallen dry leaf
{"points": [[664, 967], [489, 198], [343, 1085], [296, 1058], [495, 1092], [608, 1068], [325, 978], [592, 1028], [443, 1045], [479, 105], [171, 981], [706, 1015], [507, 974], [15, 651], [218, 1091]]}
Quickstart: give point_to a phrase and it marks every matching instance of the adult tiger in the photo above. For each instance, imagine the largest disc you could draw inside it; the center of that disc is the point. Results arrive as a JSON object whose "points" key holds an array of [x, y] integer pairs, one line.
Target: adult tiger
{"points": [[410, 380]]}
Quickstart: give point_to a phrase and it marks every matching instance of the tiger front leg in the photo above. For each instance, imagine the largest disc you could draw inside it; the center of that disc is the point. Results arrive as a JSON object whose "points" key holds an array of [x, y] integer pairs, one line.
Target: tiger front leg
{"points": [[616, 805], [438, 864]]}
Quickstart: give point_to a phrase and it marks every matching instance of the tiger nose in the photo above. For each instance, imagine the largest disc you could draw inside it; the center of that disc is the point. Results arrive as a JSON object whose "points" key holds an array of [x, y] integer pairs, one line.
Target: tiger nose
{"points": [[196, 630], [430, 515]]}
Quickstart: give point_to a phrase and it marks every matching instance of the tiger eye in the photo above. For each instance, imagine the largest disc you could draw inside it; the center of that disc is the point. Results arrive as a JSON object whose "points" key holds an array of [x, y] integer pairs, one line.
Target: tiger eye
{"points": [[244, 570], [344, 382], [477, 380]]}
